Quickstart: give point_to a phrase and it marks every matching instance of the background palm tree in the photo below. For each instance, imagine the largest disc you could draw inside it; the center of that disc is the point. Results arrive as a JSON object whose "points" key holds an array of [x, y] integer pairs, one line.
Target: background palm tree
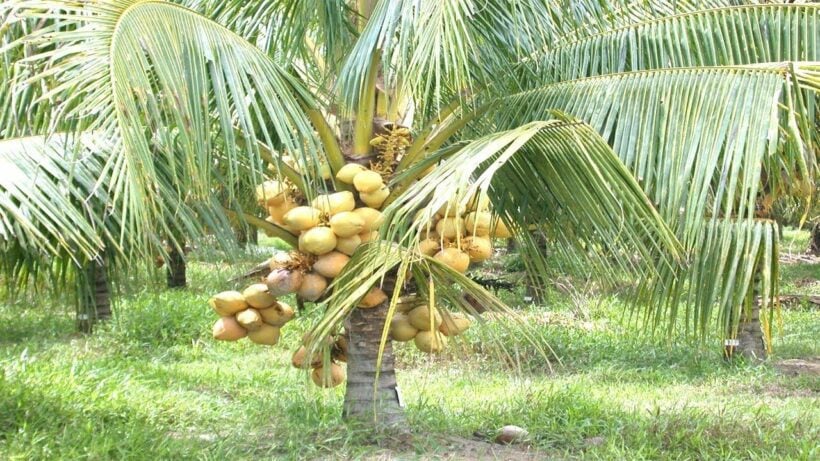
{"points": [[530, 101]]}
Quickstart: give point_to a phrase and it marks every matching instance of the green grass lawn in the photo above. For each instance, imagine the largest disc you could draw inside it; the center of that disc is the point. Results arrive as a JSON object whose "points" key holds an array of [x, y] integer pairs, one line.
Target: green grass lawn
{"points": [[153, 385]]}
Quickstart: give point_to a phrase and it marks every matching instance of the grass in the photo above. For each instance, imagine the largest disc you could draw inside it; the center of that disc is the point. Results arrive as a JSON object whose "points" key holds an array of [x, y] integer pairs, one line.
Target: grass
{"points": [[152, 385]]}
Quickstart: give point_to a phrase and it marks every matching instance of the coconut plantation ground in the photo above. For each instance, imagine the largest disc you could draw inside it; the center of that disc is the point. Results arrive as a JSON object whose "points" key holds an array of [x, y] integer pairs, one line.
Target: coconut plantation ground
{"points": [[153, 385]]}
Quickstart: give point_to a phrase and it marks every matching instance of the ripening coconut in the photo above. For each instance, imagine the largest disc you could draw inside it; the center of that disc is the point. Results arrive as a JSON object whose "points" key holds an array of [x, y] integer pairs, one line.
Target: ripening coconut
{"points": [[373, 298], [266, 334], [454, 324], [277, 315], [429, 247], [282, 282], [257, 296], [365, 237], [348, 245], [478, 248], [478, 223], [277, 212], [302, 218], [348, 172], [228, 303], [331, 378], [331, 264], [250, 319], [479, 202], [317, 241], [368, 181], [313, 287], [280, 259], [401, 329], [450, 209], [450, 228], [298, 359], [376, 198], [458, 260], [372, 218], [406, 304], [501, 231], [228, 329], [419, 317], [270, 193], [430, 341], [347, 224], [335, 203]]}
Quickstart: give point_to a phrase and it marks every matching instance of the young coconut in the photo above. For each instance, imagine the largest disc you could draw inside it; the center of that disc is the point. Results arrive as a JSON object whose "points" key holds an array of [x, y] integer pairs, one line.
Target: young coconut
{"points": [[228, 303], [368, 181], [401, 329], [478, 223], [348, 245], [349, 171], [277, 315], [282, 282], [271, 193], [317, 241], [298, 359], [335, 203], [302, 218], [454, 323], [458, 260], [450, 228], [372, 218], [419, 318], [331, 264], [347, 224], [376, 198], [331, 378], [429, 247], [477, 248], [266, 334], [373, 298], [313, 287], [257, 296], [250, 319], [228, 329], [430, 341]]}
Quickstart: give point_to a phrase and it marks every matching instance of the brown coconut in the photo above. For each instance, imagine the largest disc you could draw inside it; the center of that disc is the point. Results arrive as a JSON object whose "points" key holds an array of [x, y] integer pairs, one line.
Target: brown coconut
{"points": [[430, 341], [312, 288], [330, 265], [277, 315], [283, 282], [228, 329], [373, 298], [299, 359], [455, 258], [334, 376], [419, 317]]}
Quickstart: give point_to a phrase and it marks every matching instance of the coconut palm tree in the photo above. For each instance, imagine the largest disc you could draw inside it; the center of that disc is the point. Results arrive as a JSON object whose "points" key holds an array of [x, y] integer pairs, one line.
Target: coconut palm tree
{"points": [[567, 114]]}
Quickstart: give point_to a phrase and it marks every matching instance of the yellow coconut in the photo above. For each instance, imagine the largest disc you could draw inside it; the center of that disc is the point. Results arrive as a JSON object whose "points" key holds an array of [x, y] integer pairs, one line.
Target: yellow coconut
{"points": [[455, 258], [454, 323], [477, 248], [299, 359], [429, 247], [334, 376], [283, 282], [228, 329], [266, 334], [228, 303], [317, 241], [335, 203], [368, 181], [430, 341], [349, 171], [372, 218], [373, 298], [450, 228], [365, 237], [302, 218], [313, 287], [376, 198], [331, 264], [500, 230], [450, 209], [277, 315], [257, 296], [419, 317], [347, 224], [479, 202], [401, 329], [348, 245], [270, 193], [478, 223], [250, 319]]}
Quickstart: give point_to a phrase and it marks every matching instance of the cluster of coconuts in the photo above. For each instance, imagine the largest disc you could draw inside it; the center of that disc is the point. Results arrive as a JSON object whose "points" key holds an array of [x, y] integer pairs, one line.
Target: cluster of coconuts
{"points": [[254, 313], [329, 374], [429, 329]]}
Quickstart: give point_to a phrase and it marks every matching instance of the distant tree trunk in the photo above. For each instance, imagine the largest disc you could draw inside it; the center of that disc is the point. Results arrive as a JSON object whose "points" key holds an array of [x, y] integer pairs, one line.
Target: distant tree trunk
{"points": [[95, 301], [749, 342], [176, 271], [814, 241]]}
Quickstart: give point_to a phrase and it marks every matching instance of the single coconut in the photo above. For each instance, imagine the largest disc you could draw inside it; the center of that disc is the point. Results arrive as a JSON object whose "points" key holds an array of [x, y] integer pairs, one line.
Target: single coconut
{"points": [[478, 223], [430, 341], [454, 324], [429, 247], [368, 181], [250, 319], [401, 329], [372, 218], [270, 193], [280, 259], [302, 218], [257, 296], [450, 210], [365, 237], [313, 287], [299, 359], [419, 317], [317, 241], [373, 298], [347, 224], [478, 248], [334, 376], [283, 282], [450, 228], [266, 334], [407, 303], [376, 198], [501, 231], [331, 264], [228, 303], [349, 171], [348, 245], [228, 329], [277, 315], [277, 212], [458, 260], [335, 203]]}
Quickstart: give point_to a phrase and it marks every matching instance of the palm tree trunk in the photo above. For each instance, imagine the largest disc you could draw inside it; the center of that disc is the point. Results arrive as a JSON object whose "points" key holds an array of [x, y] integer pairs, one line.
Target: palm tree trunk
{"points": [[749, 343], [814, 240], [95, 301], [176, 272]]}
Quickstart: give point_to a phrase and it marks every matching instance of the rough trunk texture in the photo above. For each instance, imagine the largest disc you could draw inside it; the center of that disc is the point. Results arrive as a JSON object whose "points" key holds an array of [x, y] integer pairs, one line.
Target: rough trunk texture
{"points": [[95, 305], [751, 342], [176, 272], [382, 410], [814, 241]]}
